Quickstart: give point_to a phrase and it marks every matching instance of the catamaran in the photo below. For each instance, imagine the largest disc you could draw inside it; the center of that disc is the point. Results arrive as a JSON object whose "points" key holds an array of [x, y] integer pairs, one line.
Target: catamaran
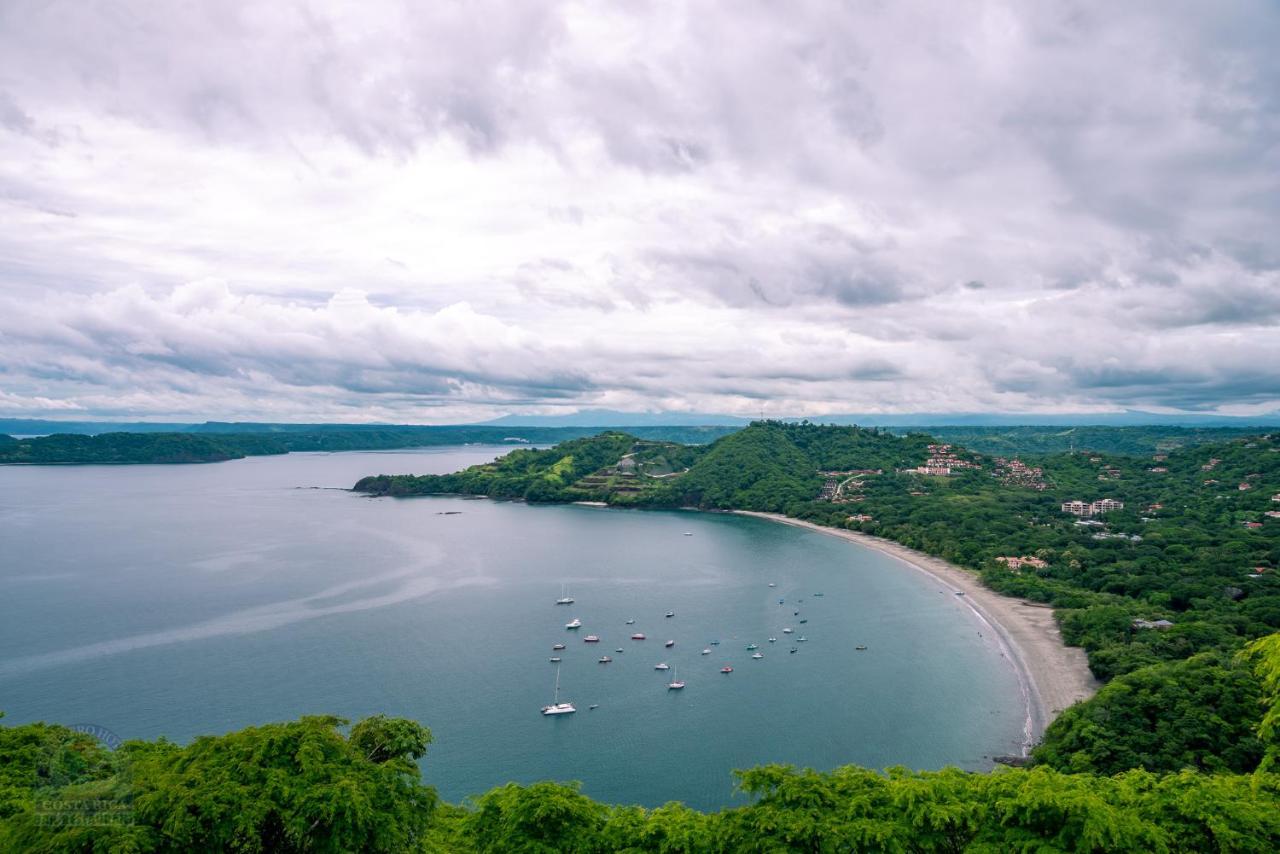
{"points": [[564, 598], [675, 684], [557, 707]]}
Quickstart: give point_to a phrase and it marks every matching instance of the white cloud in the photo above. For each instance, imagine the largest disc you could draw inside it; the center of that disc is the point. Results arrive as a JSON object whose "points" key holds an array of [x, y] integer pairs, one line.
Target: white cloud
{"points": [[434, 213]]}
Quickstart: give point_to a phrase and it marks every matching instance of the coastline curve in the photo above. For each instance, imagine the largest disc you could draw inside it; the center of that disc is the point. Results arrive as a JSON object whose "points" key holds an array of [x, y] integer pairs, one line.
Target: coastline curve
{"points": [[1052, 676]]}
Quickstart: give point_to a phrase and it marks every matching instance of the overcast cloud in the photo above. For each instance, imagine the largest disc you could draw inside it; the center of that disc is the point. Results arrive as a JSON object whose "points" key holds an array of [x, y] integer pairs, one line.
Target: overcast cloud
{"points": [[438, 212]]}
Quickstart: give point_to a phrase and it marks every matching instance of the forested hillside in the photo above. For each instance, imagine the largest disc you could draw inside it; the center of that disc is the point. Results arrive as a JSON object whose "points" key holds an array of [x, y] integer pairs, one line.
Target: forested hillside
{"points": [[1130, 441], [1160, 592]]}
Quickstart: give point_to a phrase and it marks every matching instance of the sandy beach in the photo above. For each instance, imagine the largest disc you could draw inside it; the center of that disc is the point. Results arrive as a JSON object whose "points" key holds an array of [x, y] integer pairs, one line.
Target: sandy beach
{"points": [[1053, 676]]}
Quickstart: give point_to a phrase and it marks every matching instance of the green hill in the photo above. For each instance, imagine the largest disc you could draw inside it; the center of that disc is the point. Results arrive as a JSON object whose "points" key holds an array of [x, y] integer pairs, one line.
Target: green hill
{"points": [[1193, 546]]}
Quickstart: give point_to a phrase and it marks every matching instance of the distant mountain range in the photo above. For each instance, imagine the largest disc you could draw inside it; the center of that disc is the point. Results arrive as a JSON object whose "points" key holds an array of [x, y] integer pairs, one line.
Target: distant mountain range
{"points": [[593, 418]]}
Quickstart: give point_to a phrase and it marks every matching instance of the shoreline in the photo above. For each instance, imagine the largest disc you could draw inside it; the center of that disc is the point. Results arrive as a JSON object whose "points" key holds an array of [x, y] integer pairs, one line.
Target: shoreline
{"points": [[1052, 676]]}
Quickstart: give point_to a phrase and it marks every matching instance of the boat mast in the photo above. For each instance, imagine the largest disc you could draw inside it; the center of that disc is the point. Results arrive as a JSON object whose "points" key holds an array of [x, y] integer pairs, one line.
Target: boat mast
{"points": [[556, 701]]}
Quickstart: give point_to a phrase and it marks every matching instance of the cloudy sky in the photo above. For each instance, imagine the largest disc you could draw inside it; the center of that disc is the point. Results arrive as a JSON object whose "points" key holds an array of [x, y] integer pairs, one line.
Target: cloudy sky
{"points": [[435, 212]]}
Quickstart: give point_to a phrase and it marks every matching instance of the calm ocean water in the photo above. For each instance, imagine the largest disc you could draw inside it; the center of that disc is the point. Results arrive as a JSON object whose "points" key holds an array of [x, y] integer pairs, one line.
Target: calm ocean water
{"points": [[183, 600]]}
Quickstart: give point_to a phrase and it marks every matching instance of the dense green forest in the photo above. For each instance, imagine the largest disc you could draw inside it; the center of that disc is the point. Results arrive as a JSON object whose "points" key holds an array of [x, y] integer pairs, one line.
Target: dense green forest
{"points": [[213, 446], [315, 785], [1193, 546], [1133, 441]]}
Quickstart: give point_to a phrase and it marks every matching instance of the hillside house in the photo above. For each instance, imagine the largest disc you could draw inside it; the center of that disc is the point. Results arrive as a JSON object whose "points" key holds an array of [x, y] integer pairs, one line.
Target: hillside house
{"points": [[1152, 624], [1015, 564]]}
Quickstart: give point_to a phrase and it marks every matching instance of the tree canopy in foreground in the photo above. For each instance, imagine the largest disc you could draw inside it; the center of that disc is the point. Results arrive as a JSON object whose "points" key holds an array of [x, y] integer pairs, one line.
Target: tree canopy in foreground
{"points": [[313, 785]]}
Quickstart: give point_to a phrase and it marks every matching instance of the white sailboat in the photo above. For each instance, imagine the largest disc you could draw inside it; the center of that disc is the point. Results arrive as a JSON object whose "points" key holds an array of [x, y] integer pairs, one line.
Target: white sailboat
{"points": [[557, 707], [675, 684], [564, 599]]}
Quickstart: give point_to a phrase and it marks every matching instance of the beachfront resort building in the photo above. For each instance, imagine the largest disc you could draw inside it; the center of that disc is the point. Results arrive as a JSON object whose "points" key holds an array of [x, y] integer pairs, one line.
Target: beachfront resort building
{"points": [[1094, 508]]}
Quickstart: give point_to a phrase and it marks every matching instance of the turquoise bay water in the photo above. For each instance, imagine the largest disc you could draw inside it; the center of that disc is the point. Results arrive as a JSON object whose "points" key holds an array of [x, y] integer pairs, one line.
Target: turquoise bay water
{"points": [[184, 600]]}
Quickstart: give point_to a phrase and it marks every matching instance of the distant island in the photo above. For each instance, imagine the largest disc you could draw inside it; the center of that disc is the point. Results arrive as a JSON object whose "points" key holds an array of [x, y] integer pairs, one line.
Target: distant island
{"points": [[1161, 567], [210, 446]]}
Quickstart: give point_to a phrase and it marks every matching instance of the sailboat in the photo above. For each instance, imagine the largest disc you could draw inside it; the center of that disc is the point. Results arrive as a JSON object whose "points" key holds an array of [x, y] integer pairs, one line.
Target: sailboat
{"points": [[564, 599], [675, 684], [557, 707]]}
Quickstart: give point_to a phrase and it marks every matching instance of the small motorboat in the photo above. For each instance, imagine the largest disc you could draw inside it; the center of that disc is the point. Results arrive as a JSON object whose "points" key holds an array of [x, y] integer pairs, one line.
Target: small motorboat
{"points": [[726, 669], [662, 666], [804, 621], [795, 613], [788, 630], [753, 646], [757, 655], [556, 659], [819, 595], [688, 533], [575, 623], [669, 644], [706, 651], [604, 659], [619, 649], [773, 640], [593, 706], [780, 601], [671, 613], [715, 643], [860, 647], [557, 646], [631, 622], [793, 650], [638, 636], [591, 639], [771, 584]]}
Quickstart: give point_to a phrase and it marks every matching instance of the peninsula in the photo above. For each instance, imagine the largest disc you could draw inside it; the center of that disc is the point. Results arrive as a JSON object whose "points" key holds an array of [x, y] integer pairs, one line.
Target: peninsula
{"points": [[1152, 570]]}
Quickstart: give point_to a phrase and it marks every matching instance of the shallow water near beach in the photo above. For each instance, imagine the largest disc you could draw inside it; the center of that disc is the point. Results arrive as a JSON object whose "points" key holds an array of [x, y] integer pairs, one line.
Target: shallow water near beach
{"points": [[185, 600]]}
